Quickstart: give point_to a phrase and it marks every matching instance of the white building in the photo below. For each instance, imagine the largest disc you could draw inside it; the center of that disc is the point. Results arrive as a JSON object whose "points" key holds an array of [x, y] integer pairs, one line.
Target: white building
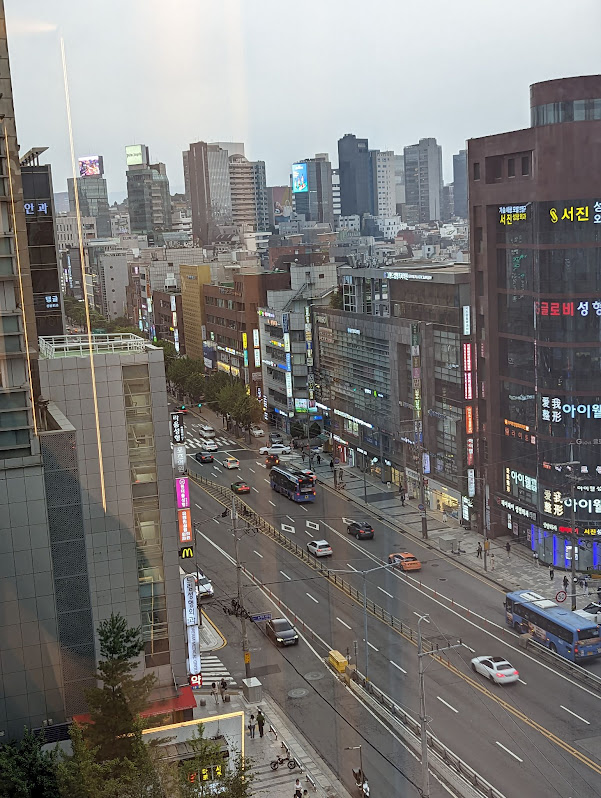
{"points": [[384, 183], [67, 230]]}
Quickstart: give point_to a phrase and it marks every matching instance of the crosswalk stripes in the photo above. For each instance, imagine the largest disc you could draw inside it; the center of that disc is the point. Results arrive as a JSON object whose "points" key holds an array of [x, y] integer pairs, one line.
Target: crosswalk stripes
{"points": [[213, 669]]}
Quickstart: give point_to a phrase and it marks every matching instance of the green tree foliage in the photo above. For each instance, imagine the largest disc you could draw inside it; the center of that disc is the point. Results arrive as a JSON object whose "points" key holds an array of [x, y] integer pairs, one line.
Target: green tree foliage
{"points": [[116, 706], [194, 386], [336, 300], [80, 775], [26, 771], [235, 781], [169, 349], [180, 370]]}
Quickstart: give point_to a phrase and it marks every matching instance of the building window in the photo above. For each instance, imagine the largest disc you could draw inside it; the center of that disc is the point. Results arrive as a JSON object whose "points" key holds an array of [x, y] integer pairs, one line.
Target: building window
{"points": [[525, 165], [476, 171], [511, 167]]}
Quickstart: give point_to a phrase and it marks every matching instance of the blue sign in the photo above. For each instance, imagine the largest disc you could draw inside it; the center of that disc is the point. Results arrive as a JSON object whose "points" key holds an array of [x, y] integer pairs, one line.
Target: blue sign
{"points": [[300, 183], [263, 616]]}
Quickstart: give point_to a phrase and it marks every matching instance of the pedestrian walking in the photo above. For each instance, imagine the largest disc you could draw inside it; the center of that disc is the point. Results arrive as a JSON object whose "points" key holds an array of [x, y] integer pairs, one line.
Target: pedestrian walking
{"points": [[551, 573], [214, 693], [479, 551], [535, 557], [402, 497], [318, 459], [508, 550], [331, 465], [223, 689], [492, 562], [251, 726], [566, 582], [303, 456], [297, 787], [260, 722]]}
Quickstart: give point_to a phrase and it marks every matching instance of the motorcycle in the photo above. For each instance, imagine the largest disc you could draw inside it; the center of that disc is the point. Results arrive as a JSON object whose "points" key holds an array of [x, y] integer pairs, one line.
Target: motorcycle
{"points": [[361, 783]]}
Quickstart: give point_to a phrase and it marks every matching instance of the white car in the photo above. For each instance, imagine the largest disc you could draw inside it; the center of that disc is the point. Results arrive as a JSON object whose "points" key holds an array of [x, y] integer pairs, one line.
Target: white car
{"points": [[206, 431], [320, 548], [204, 588], [257, 432], [497, 669], [230, 462], [209, 446], [275, 448], [592, 612]]}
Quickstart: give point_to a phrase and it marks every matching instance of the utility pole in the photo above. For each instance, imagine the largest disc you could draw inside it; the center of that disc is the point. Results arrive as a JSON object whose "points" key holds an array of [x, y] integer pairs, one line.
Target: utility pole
{"points": [[484, 516], [575, 546], [245, 646], [425, 791]]}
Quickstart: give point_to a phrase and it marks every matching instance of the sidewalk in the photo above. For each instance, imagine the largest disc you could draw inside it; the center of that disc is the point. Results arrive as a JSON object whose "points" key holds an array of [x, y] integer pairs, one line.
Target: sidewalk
{"points": [[270, 783], [518, 570]]}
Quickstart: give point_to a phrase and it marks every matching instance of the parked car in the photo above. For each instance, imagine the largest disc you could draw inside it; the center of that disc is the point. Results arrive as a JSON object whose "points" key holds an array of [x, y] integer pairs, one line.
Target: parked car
{"points": [[276, 437], [230, 462], [281, 631], [272, 460], [257, 432], [210, 446], [320, 548], [207, 431], [275, 448], [497, 669], [592, 612], [204, 457], [204, 588], [362, 530], [405, 561], [240, 487]]}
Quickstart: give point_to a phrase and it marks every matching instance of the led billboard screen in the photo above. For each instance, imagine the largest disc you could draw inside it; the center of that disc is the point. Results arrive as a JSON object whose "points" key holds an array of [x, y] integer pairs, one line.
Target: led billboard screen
{"points": [[90, 166], [299, 178]]}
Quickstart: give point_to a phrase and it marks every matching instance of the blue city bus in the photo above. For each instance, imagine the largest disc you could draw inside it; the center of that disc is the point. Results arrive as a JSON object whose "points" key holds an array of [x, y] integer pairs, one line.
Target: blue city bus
{"points": [[560, 630], [294, 484]]}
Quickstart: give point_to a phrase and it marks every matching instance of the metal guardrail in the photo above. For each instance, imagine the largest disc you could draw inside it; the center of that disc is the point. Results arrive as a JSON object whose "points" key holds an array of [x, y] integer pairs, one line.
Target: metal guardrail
{"points": [[576, 672], [448, 757]]}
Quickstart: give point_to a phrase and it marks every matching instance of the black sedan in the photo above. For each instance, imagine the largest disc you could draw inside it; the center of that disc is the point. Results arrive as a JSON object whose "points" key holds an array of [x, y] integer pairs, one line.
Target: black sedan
{"points": [[204, 457], [362, 530], [281, 631]]}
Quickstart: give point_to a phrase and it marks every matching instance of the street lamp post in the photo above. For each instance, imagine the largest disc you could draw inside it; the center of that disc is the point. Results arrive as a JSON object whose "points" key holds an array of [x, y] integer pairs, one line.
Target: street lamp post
{"points": [[245, 645], [364, 575]]}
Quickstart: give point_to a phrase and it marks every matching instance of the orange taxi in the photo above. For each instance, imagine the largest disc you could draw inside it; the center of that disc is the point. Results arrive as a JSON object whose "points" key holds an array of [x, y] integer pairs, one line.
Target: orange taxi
{"points": [[405, 561]]}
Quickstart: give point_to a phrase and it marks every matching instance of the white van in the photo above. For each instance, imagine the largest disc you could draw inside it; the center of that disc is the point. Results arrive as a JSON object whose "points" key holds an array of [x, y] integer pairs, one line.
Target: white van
{"points": [[207, 431]]}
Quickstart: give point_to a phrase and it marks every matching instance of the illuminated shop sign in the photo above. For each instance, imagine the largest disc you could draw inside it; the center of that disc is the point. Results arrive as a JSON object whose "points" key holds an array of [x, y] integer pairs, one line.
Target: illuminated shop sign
{"points": [[183, 492], [568, 308], [469, 420], [184, 525], [470, 451], [353, 331], [266, 313], [553, 409], [178, 433], [257, 358], [519, 479], [190, 604], [350, 418], [256, 338], [471, 482], [570, 213], [467, 324], [514, 508], [468, 391], [509, 214], [519, 431], [406, 276], [552, 502]]}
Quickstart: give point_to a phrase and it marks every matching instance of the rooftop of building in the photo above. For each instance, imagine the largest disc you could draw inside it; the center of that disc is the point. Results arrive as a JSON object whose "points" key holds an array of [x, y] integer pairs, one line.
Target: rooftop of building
{"points": [[416, 269], [58, 346]]}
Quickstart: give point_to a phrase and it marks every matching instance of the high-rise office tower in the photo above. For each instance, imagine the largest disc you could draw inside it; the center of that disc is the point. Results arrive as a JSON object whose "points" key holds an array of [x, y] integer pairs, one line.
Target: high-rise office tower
{"points": [[220, 189], [535, 228], [186, 165], [383, 182], [242, 191], [93, 193], [399, 181], [460, 184], [312, 189], [260, 189], [200, 193], [423, 181], [148, 194], [354, 165]]}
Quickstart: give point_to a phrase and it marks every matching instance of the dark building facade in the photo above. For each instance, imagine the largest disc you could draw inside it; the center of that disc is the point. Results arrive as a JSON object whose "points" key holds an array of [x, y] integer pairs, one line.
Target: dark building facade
{"points": [[354, 167], [460, 184], [93, 201], [168, 318], [535, 220], [316, 203]]}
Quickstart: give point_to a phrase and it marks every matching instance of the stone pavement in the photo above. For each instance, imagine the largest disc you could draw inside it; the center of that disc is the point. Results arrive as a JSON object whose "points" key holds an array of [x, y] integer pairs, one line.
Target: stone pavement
{"points": [[314, 774]]}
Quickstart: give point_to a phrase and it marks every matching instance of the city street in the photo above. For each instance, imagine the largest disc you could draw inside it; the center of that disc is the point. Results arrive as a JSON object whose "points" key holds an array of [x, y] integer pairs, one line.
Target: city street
{"points": [[483, 725]]}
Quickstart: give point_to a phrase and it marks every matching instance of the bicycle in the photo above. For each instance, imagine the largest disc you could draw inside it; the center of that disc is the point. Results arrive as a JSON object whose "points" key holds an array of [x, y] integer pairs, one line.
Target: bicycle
{"points": [[280, 761]]}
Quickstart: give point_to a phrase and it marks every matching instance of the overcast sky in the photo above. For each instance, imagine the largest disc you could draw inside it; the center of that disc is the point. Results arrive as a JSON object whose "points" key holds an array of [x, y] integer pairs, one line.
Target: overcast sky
{"points": [[287, 78]]}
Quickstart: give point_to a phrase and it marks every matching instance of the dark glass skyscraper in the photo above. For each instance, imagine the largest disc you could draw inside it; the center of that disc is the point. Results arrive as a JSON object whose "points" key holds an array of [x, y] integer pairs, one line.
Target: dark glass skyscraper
{"points": [[460, 183], [354, 166], [535, 219], [93, 197]]}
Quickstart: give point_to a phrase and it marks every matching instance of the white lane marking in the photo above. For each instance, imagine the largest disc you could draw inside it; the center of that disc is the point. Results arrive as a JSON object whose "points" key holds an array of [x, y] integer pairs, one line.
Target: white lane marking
{"points": [[265, 480], [216, 521], [561, 706], [288, 528], [331, 528], [312, 525], [197, 505], [442, 701], [371, 645], [255, 490], [348, 565], [515, 756], [308, 532], [419, 615], [251, 469], [342, 622], [303, 507], [385, 591], [522, 681], [397, 666], [313, 598], [259, 464], [272, 503], [257, 553], [290, 518], [465, 645], [286, 575]]}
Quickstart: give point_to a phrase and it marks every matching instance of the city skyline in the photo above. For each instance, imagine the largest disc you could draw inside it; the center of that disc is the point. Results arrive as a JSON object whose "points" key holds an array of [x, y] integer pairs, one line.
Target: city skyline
{"points": [[195, 110]]}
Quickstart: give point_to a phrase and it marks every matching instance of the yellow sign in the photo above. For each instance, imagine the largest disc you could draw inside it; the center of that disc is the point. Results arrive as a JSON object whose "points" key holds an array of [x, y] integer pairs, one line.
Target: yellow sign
{"points": [[247, 657], [187, 553]]}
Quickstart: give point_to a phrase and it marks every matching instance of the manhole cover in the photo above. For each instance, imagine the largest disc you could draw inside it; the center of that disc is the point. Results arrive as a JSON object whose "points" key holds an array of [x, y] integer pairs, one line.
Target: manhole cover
{"points": [[298, 692], [313, 676]]}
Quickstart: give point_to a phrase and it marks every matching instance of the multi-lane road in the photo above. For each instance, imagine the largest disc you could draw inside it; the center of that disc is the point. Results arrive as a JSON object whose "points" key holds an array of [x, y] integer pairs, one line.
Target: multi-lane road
{"points": [[538, 737]]}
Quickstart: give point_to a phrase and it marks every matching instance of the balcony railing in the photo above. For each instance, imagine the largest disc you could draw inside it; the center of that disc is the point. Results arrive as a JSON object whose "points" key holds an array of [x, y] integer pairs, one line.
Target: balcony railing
{"points": [[79, 345]]}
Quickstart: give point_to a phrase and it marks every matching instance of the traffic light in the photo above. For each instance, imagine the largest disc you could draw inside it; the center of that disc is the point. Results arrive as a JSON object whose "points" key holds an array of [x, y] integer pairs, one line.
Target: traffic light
{"points": [[183, 407], [199, 405]]}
